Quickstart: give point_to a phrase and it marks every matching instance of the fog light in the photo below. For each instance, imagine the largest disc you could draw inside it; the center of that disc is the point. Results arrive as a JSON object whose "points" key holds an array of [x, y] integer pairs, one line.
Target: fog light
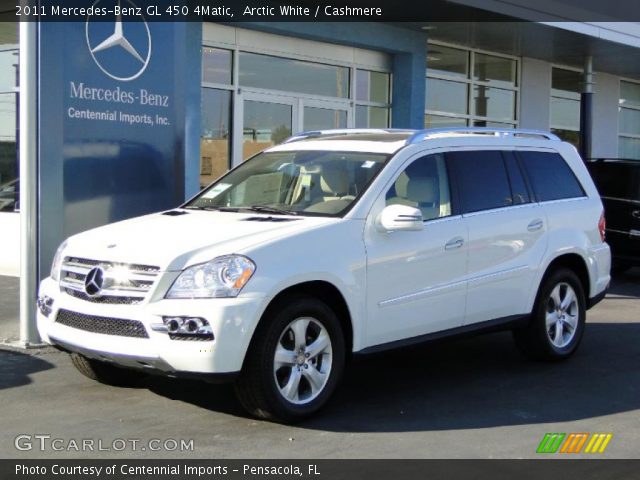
{"points": [[188, 328], [192, 325], [44, 304], [174, 324]]}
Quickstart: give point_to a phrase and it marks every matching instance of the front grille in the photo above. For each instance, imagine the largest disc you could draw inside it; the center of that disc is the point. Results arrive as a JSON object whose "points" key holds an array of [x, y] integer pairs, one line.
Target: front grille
{"points": [[104, 325], [124, 283], [105, 300]]}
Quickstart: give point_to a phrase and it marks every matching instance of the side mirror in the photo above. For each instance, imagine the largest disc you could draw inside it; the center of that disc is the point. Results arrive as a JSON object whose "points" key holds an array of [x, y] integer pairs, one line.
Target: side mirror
{"points": [[395, 218]]}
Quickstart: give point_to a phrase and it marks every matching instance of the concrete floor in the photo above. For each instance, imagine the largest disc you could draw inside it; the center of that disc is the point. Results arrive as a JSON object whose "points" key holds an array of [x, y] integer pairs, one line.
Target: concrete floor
{"points": [[475, 398]]}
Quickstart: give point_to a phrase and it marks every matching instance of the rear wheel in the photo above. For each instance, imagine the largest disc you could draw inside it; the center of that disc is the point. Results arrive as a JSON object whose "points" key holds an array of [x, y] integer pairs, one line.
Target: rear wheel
{"points": [[294, 362], [105, 373], [558, 318]]}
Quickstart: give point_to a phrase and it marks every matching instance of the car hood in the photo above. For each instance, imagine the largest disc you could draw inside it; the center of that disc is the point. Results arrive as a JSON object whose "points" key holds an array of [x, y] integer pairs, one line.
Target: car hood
{"points": [[173, 241]]}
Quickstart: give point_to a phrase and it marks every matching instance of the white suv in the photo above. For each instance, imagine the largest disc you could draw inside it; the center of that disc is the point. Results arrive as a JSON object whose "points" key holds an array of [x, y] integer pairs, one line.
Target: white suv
{"points": [[333, 243]]}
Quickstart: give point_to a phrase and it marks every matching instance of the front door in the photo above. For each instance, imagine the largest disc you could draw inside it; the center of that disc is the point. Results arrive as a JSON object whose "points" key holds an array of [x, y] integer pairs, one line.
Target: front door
{"points": [[416, 279]]}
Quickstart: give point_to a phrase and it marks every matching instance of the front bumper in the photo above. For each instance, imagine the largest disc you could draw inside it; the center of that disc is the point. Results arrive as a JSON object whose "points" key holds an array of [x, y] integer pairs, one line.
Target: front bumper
{"points": [[233, 321]]}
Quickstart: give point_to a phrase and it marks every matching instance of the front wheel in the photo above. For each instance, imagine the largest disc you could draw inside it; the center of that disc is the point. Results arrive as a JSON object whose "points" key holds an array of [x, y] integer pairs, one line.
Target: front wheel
{"points": [[294, 362], [558, 319]]}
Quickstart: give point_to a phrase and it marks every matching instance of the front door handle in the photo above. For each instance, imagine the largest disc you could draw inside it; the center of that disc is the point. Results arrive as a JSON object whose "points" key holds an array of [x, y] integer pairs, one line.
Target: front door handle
{"points": [[635, 214], [454, 243], [535, 225]]}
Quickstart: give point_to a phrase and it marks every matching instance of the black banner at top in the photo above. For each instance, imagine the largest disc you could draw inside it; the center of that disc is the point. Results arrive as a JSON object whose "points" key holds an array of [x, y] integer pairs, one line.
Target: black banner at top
{"points": [[323, 10]]}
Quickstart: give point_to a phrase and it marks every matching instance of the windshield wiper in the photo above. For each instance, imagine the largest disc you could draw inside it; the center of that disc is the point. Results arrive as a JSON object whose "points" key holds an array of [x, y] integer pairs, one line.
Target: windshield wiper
{"points": [[267, 209], [211, 208]]}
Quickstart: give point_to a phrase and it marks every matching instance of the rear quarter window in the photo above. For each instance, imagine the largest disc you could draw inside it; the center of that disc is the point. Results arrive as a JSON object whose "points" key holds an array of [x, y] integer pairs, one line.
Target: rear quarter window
{"points": [[550, 176]]}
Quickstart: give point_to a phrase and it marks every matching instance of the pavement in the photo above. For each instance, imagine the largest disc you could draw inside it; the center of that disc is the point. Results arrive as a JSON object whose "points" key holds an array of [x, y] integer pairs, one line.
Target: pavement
{"points": [[472, 398]]}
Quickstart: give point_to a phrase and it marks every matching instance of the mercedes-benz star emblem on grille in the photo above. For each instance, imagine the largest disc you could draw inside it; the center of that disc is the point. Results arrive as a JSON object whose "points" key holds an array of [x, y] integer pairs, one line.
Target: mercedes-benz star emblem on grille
{"points": [[94, 281]]}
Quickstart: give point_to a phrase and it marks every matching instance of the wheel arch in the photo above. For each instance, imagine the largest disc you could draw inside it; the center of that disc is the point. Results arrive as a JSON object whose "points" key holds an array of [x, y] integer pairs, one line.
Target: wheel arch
{"points": [[574, 262], [324, 291]]}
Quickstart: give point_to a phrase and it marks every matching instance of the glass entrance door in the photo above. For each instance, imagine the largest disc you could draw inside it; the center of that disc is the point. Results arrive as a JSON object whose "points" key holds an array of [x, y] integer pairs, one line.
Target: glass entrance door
{"points": [[266, 122]]}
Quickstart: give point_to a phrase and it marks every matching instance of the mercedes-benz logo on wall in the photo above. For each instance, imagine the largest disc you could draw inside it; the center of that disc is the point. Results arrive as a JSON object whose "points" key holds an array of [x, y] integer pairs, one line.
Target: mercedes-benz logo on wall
{"points": [[94, 282], [122, 50]]}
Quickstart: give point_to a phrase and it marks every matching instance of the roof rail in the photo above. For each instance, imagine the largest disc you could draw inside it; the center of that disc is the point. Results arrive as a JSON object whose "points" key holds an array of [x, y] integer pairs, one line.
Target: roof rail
{"points": [[497, 132], [343, 131]]}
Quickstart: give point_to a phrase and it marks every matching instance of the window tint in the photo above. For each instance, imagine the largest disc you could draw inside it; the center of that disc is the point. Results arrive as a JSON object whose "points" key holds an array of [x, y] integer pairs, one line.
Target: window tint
{"points": [[482, 180], [551, 178], [520, 193], [424, 184]]}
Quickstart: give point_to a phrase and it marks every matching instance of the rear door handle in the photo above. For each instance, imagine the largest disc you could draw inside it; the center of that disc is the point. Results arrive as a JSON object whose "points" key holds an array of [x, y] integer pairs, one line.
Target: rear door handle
{"points": [[535, 225], [454, 243], [635, 214]]}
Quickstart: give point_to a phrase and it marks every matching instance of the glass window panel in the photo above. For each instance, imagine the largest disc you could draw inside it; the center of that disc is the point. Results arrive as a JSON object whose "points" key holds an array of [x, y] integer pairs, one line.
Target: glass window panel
{"points": [[629, 148], [629, 121], [265, 124], [498, 70], [323, 118], [8, 70], [424, 185], [372, 117], [275, 73], [485, 123], [565, 81], [372, 86], [215, 138], [447, 61], [494, 102], [571, 136], [440, 121], [8, 153], [565, 113], [629, 94], [216, 65], [482, 180], [550, 176], [446, 96]]}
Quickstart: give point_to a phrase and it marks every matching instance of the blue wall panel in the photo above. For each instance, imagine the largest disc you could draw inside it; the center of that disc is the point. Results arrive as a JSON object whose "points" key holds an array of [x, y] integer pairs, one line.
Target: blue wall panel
{"points": [[118, 117]]}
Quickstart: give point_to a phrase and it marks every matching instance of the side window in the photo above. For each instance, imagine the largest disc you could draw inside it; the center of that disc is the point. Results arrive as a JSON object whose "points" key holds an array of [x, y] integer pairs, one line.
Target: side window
{"points": [[424, 184], [481, 179], [520, 193], [551, 178]]}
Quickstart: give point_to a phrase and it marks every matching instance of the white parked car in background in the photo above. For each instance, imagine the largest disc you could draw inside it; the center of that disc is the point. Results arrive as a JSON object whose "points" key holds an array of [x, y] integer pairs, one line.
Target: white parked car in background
{"points": [[337, 242]]}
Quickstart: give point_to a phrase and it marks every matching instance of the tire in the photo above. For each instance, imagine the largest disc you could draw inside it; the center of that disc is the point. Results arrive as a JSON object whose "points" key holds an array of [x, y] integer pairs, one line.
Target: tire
{"points": [[105, 373], [554, 334], [294, 362]]}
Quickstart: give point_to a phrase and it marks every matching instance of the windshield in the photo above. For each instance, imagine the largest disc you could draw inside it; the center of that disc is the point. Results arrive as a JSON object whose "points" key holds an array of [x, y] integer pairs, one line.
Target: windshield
{"points": [[293, 182]]}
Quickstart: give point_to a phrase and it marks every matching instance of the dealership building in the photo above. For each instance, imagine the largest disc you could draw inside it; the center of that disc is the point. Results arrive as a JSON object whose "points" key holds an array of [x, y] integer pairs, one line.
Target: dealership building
{"points": [[102, 121]]}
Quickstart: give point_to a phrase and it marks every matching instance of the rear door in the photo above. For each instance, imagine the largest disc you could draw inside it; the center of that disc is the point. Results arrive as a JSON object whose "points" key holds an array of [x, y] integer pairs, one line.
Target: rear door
{"points": [[506, 232]]}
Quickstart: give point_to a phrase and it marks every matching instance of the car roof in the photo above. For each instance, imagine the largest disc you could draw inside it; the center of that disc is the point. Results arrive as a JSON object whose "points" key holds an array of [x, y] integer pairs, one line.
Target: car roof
{"points": [[391, 140]]}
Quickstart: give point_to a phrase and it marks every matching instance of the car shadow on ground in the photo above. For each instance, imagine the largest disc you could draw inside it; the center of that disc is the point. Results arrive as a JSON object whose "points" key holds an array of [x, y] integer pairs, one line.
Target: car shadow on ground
{"points": [[16, 368], [474, 383]]}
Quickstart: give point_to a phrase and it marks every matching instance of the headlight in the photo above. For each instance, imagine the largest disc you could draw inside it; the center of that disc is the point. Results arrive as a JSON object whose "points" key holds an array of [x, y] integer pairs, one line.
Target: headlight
{"points": [[57, 262], [221, 277]]}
